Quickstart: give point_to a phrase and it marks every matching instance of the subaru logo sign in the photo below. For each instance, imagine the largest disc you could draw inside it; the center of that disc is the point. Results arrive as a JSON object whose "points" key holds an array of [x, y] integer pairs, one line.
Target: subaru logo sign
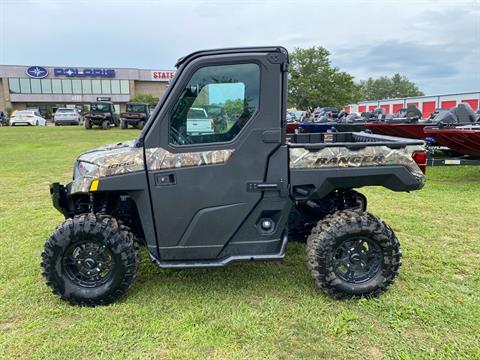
{"points": [[37, 72]]}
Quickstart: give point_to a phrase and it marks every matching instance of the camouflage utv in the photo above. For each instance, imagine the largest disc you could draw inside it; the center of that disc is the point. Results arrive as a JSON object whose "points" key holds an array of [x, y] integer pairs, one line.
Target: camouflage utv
{"points": [[238, 194]]}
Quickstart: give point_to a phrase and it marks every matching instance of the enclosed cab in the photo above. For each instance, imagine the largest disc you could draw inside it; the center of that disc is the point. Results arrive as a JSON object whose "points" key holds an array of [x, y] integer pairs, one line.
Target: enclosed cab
{"points": [[196, 197], [136, 115], [101, 114]]}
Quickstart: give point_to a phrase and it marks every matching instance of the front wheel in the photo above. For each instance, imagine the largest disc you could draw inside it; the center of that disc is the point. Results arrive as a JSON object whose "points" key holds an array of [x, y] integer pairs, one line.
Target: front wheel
{"points": [[353, 254], [88, 124], [123, 124], [90, 260]]}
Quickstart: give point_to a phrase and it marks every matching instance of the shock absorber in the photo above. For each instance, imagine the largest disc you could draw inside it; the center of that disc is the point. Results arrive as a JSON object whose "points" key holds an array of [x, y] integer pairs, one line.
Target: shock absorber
{"points": [[99, 203]]}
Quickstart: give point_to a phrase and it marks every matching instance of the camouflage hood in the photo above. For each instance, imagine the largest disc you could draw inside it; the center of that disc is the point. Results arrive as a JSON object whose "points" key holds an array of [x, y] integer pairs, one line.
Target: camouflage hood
{"points": [[116, 158]]}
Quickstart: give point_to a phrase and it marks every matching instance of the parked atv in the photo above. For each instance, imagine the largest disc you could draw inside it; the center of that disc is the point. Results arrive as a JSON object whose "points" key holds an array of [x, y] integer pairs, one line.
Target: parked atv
{"points": [[101, 114], [136, 115], [198, 199]]}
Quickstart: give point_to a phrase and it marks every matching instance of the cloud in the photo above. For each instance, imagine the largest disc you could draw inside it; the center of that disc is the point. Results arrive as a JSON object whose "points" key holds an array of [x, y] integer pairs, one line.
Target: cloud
{"points": [[435, 43]]}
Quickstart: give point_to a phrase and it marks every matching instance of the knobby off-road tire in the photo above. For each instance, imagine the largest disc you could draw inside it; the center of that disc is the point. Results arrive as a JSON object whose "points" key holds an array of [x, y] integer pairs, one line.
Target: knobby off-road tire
{"points": [[105, 124], [90, 260], [123, 124], [340, 243], [140, 124], [88, 124]]}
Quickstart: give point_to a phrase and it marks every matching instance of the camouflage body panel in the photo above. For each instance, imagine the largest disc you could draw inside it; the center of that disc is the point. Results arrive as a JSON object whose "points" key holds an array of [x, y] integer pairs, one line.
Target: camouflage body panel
{"points": [[123, 158], [159, 159], [342, 157]]}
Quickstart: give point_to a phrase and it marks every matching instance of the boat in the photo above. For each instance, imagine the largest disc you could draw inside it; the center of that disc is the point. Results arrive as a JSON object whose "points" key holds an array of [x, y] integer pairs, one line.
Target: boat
{"points": [[406, 123], [464, 140], [349, 127], [312, 127], [405, 130]]}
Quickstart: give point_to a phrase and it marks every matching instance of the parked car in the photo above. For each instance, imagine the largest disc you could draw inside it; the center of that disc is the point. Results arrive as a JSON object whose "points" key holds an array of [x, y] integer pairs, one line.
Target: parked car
{"points": [[27, 117], [198, 122], [67, 116]]}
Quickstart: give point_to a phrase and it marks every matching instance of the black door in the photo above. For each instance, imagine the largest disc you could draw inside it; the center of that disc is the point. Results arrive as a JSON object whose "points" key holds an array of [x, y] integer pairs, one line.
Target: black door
{"points": [[214, 137]]}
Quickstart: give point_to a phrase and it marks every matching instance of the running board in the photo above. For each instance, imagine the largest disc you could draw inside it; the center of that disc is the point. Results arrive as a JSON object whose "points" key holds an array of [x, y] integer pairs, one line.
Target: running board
{"points": [[220, 262]]}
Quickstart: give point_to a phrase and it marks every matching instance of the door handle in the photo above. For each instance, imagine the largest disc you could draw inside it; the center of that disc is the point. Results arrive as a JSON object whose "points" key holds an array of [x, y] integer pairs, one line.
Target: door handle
{"points": [[165, 179]]}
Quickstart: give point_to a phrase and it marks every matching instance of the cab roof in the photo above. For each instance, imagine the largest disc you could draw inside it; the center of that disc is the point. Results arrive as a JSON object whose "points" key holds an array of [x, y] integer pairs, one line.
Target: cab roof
{"points": [[234, 50]]}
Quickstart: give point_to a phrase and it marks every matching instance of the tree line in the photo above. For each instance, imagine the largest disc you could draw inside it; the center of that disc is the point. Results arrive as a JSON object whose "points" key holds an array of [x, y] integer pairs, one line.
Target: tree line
{"points": [[313, 81]]}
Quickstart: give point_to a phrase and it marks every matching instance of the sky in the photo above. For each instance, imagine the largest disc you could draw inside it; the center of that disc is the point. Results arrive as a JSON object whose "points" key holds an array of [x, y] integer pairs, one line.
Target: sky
{"points": [[436, 44]]}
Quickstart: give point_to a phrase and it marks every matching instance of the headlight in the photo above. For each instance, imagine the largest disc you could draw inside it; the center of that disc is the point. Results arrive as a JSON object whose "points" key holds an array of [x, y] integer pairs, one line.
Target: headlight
{"points": [[85, 169]]}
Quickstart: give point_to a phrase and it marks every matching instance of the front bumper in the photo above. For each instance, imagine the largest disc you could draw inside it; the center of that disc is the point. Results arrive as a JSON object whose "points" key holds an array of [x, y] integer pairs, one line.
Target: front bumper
{"points": [[67, 122], [60, 199]]}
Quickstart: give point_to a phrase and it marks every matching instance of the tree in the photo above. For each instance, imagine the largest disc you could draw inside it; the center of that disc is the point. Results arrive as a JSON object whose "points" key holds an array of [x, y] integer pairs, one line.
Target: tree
{"points": [[315, 82], [148, 99], [388, 88], [233, 107]]}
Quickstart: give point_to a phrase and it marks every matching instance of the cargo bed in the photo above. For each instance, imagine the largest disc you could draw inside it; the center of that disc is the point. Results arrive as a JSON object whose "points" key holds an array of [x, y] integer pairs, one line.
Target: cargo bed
{"points": [[353, 160]]}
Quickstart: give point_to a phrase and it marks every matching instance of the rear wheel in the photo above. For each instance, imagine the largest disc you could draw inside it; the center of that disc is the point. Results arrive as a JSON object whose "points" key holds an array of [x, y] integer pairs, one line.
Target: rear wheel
{"points": [[105, 124], [90, 260], [141, 124], [353, 254]]}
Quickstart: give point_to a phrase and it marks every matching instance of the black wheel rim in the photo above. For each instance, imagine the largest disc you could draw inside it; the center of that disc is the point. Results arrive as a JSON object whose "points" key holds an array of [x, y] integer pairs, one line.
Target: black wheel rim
{"points": [[88, 263], [357, 260]]}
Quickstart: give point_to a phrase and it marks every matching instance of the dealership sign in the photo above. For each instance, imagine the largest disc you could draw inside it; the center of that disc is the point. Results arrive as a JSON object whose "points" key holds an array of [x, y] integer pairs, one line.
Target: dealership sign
{"points": [[37, 72], [162, 75], [74, 72]]}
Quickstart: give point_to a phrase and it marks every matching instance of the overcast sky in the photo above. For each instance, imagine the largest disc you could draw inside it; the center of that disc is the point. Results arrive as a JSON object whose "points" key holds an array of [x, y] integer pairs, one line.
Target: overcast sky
{"points": [[435, 43]]}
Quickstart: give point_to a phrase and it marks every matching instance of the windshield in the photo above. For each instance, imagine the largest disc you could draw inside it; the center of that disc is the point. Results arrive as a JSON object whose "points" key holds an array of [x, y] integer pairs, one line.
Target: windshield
{"points": [[100, 107], [135, 108], [196, 114], [65, 111]]}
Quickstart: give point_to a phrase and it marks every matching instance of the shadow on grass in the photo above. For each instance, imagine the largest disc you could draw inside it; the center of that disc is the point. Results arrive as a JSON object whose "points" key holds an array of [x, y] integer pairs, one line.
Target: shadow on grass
{"points": [[286, 278]]}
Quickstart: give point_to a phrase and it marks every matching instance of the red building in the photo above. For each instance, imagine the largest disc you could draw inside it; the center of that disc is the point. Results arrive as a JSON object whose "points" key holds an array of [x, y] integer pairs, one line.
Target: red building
{"points": [[426, 104]]}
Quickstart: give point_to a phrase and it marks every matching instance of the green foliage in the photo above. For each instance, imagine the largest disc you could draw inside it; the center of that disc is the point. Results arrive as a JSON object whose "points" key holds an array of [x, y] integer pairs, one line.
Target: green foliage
{"points": [[9, 111], [315, 82], [388, 88], [233, 107], [148, 99]]}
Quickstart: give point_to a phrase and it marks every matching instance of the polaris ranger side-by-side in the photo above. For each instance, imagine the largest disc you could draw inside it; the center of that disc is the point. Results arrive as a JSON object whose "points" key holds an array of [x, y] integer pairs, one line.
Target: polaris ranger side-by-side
{"points": [[239, 194], [101, 114], [136, 115]]}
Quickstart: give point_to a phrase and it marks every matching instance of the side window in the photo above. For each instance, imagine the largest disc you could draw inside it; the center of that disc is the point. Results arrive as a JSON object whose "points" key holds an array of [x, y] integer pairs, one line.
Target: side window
{"points": [[216, 104]]}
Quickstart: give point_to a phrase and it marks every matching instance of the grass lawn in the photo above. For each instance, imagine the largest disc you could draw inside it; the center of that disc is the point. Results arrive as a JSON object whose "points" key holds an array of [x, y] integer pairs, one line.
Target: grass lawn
{"points": [[250, 310]]}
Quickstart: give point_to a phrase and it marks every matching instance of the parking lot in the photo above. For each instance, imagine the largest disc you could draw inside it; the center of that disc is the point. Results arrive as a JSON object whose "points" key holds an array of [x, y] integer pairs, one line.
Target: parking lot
{"points": [[431, 311]]}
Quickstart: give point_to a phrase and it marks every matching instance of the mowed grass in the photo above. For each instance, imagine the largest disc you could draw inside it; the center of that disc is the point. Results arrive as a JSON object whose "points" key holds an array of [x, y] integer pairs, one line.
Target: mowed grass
{"points": [[249, 310]]}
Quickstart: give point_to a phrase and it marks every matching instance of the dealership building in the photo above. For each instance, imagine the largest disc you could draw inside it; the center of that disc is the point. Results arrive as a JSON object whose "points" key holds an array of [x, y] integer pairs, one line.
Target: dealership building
{"points": [[50, 87]]}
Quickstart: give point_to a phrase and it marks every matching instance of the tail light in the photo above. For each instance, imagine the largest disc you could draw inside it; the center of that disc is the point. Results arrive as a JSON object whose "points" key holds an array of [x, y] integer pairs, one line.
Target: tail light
{"points": [[420, 158]]}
